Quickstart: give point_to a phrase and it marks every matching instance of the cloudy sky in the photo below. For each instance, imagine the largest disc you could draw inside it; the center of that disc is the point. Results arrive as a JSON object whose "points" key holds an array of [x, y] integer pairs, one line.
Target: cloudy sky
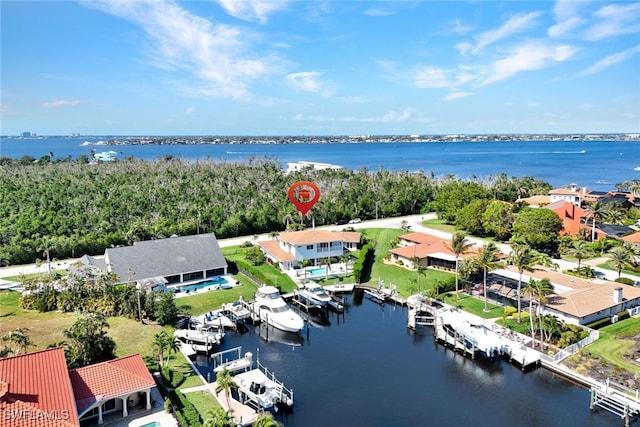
{"points": [[277, 67]]}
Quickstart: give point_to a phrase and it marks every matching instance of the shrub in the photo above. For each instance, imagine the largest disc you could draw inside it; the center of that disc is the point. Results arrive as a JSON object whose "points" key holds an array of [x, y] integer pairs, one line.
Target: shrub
{"points": [[172, 378], [508, 311], [625, 281], [186, 413], [600, 323]]}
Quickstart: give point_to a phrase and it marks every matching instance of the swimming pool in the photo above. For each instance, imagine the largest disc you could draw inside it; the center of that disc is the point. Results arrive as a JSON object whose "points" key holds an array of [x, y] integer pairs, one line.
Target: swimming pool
{"points": [[152, 424], [218, 280], [317, 271]]}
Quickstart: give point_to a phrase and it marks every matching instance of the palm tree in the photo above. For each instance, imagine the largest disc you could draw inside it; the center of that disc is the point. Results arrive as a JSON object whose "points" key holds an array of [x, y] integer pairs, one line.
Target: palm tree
{"points": [[46, 245], [19, 341], [580, 249], [160, 345], [620, 259], [173, 346], [597, 211], [225, 383], [218, 417], [523, 257], [459, 246], [537, 290], [487, 259], [421, 270], [265, 419]]}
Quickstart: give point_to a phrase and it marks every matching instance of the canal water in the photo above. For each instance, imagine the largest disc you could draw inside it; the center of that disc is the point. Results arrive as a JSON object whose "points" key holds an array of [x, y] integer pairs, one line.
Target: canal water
{"points": [[367, 369]]}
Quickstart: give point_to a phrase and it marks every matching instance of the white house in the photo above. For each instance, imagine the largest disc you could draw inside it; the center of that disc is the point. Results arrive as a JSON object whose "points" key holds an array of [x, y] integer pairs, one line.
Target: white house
{"points": [[290, 249]]}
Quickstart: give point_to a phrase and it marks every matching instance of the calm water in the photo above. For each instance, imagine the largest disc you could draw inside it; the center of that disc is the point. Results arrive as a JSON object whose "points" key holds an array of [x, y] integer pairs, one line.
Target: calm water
{"points": [[369, 370], [595, 164]]}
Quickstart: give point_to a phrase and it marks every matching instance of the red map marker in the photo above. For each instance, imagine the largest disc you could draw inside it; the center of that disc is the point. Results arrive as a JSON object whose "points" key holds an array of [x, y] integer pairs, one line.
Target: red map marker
{"points": [[304, 194]]}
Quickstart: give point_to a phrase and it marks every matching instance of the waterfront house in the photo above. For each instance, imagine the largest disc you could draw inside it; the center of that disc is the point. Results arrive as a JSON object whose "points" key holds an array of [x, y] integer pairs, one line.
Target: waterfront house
{"points": [[575, 300], [37, 389], [570, 193], [426, 250], [169, 261], [288, 250]]}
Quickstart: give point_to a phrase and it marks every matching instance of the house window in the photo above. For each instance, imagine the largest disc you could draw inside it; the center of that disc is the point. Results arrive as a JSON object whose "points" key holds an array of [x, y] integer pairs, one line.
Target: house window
{"points": [[323, 247], [309, 247]]}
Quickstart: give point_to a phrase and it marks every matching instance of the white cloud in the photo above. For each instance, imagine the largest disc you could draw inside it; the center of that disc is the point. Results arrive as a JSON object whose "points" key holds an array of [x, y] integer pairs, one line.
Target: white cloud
{"points": [[214, 53], [190, 110], [430, 77], [565, 28], [528, 56], [379, 12], [252, 10], [516, 24], [60, 103], [611, 60], [615, 20], [308, 81], [457, 95]]}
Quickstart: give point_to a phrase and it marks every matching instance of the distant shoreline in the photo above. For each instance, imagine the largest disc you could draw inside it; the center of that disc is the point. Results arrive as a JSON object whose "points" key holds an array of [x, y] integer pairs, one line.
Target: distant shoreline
{"points": [[110, 140]]}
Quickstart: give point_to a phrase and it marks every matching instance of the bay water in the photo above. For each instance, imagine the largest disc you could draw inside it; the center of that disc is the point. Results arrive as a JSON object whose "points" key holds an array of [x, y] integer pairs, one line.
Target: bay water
{"points": [[598, 165]]}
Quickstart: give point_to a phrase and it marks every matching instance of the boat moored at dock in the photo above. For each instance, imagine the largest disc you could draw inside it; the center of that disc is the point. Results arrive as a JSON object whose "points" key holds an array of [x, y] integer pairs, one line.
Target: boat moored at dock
{"points": [[270, 307]]}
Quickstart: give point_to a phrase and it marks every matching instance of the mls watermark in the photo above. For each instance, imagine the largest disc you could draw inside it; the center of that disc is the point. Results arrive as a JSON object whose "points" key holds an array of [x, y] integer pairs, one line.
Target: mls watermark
{"points": [[34, 414]]}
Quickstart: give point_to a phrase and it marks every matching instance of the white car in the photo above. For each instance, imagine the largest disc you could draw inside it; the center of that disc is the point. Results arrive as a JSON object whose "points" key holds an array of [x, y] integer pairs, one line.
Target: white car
{"points": [[355, 221]]}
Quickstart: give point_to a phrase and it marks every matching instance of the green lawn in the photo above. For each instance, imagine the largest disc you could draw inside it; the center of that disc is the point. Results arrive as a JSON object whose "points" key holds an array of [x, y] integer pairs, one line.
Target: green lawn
{"points": [[273, 276], [439, 224], [203, 401], [616, 342], [205, 301], [608, 266], [473, 305]]}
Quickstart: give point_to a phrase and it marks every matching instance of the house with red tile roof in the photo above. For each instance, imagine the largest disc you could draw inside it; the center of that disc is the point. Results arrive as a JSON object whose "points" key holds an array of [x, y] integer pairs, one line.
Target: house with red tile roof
{"points": [[37, 389], [633, 238], [426, 250], [114, 385], [575, 220], [290, 249]]}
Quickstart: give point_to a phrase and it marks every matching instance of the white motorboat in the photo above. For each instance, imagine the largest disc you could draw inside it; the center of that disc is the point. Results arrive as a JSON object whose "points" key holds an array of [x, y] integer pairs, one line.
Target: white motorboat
{"points": [[200, 340], [261, 388], [242, 364], [268, 306], [314, 294]]}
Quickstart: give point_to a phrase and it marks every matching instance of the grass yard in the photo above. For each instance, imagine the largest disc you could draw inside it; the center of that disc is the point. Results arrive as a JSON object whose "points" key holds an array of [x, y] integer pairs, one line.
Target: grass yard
{"points": [[439, 224], [203, 401], [205, 301], [615, 344], [473, 305], [272, 275], [44, 329]]}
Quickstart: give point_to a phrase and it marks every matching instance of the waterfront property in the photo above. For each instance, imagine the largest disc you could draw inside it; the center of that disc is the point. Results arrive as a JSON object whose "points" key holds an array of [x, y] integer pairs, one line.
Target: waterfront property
{"points": [[289, 249], [575, 300], [39, 386], [426, 250], [168, 261]]}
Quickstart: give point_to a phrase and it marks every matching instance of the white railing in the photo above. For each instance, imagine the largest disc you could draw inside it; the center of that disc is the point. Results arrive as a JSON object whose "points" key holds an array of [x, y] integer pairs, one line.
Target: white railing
{"points": [[568, 351]]}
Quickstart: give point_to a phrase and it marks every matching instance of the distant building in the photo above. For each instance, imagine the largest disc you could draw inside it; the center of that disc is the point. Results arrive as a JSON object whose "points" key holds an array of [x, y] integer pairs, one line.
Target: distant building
{"points": [[27, 134], [426, 250], [298, 166]]}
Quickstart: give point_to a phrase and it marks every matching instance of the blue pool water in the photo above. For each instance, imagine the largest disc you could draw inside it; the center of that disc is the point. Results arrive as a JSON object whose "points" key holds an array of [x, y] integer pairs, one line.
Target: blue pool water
{"points": [[218, 280], [316, 271]]}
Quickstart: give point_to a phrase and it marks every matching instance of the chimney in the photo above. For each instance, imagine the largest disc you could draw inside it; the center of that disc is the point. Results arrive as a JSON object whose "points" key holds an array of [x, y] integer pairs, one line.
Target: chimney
{"points": [[617, 295]]}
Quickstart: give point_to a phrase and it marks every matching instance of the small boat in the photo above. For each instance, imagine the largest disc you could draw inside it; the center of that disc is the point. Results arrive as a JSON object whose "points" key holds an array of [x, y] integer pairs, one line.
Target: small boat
{"points": [[269, 307], [200, 340], [637, 168], [235, 365], [261, 387], [314, 294]]}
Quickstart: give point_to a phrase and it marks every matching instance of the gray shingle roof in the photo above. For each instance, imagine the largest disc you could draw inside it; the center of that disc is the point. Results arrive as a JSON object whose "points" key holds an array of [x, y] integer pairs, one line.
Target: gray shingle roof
{"points": [[165, 257]]}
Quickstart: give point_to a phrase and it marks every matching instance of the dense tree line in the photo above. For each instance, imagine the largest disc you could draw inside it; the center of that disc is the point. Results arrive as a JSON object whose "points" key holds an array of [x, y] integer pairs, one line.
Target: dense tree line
{"points": [[66, 208]]}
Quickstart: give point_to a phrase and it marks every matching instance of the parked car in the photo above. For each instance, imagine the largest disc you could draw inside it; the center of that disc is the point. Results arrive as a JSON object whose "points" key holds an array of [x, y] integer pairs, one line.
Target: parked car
{"points": [[341, 222], [355, 221]]}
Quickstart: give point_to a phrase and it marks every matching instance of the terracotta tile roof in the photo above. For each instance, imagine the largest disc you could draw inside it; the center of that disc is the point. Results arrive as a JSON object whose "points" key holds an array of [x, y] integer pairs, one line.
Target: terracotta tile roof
{"points": [[309, 237], [420, 238], [428, 245], [110, 379], [274, 249], [580, 297], [632, 238], [38, 392], [537, 200], [571, 216]]}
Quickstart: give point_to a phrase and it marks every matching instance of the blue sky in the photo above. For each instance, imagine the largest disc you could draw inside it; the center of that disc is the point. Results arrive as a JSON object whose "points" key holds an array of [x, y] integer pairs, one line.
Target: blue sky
{"points": [[257, 67]]}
